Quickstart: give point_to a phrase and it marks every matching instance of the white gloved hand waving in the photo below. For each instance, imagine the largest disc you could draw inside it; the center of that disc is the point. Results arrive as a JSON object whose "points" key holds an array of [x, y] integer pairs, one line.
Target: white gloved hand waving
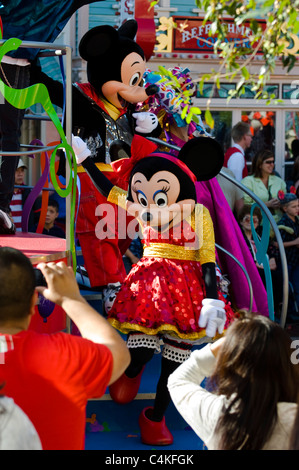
{"points": [[80, 149], [212, 316], [145, 122]]}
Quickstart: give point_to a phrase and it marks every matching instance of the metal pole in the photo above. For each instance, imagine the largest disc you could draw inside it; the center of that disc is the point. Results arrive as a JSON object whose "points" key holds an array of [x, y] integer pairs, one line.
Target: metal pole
{"points": [[244, 271], [68, 127], [29, 152], [57, 48]]}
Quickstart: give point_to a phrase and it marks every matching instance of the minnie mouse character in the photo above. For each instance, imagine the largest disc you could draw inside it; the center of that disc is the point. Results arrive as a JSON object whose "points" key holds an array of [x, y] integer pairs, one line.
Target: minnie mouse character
{"points": [[102, 115], [174, 108], [170, 296]]}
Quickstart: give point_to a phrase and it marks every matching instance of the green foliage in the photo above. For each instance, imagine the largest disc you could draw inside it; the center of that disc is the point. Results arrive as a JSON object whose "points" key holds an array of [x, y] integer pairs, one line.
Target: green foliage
{"points": [[282, 26], [277, 39]]}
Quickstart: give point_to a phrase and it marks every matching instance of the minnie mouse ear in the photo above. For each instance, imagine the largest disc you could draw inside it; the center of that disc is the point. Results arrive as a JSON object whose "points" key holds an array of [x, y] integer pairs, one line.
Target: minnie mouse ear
{"points": [[204, 156], [97, 42]]}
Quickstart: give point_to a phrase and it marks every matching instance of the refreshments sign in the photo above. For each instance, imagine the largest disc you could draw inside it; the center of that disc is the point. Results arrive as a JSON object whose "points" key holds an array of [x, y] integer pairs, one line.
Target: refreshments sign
{"points": [[191, 35]]}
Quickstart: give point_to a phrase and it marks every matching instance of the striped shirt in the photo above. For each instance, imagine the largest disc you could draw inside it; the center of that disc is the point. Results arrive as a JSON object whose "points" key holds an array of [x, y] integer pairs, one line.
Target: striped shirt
{"points": [[16, 208]]}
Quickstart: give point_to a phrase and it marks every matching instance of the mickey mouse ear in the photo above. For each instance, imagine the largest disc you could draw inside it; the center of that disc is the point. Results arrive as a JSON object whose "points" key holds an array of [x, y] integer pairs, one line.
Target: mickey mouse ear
{"points": [[97, 42], [119, 149], [204, 156], [128, 29]]}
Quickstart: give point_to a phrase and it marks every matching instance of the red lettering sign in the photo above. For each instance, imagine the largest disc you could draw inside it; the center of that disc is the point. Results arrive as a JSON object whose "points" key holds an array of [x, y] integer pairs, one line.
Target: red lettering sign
{"points": [[191, 35]]}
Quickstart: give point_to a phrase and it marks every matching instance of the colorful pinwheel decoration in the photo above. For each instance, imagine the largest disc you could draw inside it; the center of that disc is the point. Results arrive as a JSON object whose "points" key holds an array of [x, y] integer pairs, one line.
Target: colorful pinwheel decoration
{"points": [[176, 90]]}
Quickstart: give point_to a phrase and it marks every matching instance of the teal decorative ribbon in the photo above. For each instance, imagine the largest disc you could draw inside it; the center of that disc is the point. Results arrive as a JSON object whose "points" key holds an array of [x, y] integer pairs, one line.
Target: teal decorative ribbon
{"points": [[262, 257], [27, 97]]}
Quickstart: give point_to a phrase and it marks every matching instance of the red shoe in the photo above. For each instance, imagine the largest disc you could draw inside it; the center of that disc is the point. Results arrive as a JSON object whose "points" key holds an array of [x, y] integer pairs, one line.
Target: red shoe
{"points": [[154, 433], [125, 389]]}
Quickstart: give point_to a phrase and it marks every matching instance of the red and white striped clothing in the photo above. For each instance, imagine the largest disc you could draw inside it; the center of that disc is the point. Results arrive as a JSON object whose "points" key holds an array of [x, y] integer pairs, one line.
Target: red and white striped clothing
{"points": [[16, 208], [6, 344]]}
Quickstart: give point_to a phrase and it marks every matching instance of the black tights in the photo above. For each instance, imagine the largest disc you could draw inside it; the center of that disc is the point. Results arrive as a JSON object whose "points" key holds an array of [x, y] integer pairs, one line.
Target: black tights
{"points": [[139, 357]]}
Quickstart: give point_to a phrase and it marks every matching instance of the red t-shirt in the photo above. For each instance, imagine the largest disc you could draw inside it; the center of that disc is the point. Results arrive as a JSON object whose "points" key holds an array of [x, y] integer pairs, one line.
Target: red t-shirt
{"points": [[51, 377]]}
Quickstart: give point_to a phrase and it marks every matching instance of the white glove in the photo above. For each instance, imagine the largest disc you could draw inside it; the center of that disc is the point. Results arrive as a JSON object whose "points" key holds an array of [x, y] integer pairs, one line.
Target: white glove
{"points": [[80, 148], [145, 122], [212, 316]]}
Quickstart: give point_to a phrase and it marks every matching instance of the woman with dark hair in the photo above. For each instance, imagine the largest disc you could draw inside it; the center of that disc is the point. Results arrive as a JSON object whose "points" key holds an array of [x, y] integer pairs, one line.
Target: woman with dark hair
{"points": [[244, 218], [264, 183], [253, 402]]}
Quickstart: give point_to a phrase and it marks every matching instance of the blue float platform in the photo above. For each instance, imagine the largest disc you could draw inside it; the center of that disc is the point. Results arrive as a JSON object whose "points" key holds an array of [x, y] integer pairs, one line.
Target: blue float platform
{"points": [[111, 426]]}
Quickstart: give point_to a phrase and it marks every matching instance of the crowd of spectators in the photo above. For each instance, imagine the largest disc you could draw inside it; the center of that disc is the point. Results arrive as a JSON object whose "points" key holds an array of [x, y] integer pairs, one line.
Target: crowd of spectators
{"points": [[281, 198]]}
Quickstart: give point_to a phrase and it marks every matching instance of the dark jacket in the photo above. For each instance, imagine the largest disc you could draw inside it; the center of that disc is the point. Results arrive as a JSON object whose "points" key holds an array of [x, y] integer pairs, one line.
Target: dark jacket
{"points": [[289, 231]]}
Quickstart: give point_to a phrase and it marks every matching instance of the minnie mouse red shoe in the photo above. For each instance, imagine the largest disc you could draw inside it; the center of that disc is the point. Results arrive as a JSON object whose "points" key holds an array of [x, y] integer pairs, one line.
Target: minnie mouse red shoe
{"points": [[125, 389], [154, 433]]}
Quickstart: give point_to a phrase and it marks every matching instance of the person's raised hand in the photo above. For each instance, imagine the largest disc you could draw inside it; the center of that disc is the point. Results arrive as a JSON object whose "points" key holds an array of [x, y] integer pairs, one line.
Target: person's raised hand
{"points": [[61, 282]]}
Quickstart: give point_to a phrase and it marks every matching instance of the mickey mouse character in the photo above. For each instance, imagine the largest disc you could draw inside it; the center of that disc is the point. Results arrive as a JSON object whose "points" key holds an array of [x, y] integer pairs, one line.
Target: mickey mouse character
{"points": [[170, 296], [102, 115]]}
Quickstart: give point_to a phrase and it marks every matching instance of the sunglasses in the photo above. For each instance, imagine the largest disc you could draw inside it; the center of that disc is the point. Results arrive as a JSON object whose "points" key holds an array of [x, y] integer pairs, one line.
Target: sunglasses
{"points": [[269, 162], [247, 219]]}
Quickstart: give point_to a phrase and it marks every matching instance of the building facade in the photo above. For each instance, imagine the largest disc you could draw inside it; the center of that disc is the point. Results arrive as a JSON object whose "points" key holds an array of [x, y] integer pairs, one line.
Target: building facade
{"points": [[193, 49]]}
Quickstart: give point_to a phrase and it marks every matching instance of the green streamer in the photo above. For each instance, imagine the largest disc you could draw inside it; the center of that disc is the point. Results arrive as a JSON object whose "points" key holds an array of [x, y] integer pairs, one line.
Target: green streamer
{"points": [[27, 97]]}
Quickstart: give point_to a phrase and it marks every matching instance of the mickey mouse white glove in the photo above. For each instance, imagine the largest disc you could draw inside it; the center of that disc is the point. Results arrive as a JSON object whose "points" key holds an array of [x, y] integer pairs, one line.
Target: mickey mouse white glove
{"points": [[212, 316], [80, 148], [145, 122]]}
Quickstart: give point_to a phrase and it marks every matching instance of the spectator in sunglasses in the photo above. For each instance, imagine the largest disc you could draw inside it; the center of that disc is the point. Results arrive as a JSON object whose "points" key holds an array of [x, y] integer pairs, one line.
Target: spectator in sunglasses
{"points": [[264, 183]]}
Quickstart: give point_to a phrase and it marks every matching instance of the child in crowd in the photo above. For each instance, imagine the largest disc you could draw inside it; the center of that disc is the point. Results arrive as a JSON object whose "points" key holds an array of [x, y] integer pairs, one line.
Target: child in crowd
{"points": [[289, 229], [17, 202], [51, 228], [19, 198]]}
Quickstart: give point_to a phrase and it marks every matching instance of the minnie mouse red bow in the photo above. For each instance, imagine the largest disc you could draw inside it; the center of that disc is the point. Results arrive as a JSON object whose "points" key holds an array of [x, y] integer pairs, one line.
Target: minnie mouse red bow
{"points": [[140, 149]]}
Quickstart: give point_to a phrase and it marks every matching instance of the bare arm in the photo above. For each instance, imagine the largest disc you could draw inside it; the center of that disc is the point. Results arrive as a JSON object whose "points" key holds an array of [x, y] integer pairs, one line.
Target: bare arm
{"points": [[63, 290], [134, 259], [216, 346], [294, 242], [273, 203]]}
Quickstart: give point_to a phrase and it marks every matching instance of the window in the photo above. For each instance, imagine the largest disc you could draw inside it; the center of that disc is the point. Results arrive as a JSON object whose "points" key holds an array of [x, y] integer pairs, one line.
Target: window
{"points": [[223, 91], [270, 89], [291, 92], [262, 125], [222, 128], [291, 134]]}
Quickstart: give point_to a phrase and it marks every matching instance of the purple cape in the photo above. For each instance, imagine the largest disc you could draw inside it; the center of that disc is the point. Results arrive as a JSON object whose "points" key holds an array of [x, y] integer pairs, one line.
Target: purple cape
{"points": [[229, 236]]}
